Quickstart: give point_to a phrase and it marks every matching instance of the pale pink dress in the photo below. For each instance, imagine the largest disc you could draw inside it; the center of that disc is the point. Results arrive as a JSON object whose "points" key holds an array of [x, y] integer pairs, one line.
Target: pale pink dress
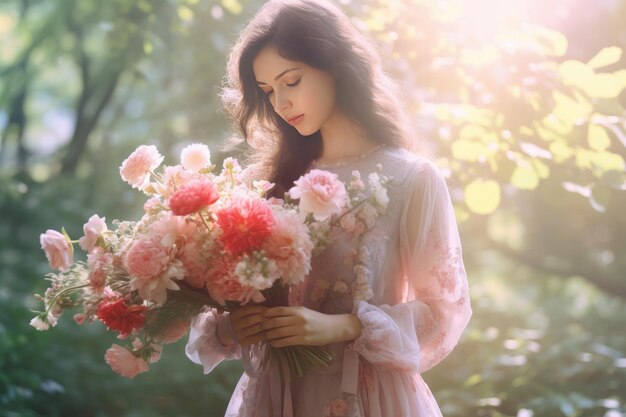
{"points": [[420, 307]]}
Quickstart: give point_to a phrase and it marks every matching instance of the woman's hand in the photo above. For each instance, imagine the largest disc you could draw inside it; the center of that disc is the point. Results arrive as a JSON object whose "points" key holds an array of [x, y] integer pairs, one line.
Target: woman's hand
{"points": [[287, 326], [245, 322]]}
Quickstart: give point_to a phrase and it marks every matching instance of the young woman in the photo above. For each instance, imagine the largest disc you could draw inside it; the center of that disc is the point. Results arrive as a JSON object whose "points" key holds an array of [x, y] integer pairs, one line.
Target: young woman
{"points": [[307, 90]]}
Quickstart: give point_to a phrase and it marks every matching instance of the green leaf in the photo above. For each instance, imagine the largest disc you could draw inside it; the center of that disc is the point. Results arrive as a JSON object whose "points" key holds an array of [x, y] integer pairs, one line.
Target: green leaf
{"points": [[525, 178], [232, 6], [185, 13], [482, 196], [607, 56], [467, 150], [598, 137]]}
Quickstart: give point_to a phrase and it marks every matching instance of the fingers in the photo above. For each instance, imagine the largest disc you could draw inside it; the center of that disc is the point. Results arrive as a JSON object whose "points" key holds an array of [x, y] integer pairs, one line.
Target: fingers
{"points": [[280, 311], [289, 335], [266, 325], [247, 310], [282, 332], [286, 341]]}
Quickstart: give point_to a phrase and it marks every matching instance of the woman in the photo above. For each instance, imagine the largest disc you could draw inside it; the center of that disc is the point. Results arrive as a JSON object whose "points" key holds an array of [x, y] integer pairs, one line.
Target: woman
{"points": [[307, 90]]}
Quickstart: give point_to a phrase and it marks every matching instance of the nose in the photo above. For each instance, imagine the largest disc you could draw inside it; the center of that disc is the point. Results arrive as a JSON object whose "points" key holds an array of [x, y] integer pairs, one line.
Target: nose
{"points": [[282, 103]]}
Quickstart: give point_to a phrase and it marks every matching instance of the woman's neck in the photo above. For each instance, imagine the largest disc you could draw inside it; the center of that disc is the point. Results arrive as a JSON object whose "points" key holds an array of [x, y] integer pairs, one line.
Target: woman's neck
{"points": [[342, 138]]}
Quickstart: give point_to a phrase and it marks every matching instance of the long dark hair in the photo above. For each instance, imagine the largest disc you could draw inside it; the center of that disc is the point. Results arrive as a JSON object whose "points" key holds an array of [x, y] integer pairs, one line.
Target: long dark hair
{"points": [[320, 35]]}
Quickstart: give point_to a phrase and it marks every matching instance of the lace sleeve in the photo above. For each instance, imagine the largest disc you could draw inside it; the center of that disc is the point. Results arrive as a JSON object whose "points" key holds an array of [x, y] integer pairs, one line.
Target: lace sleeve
{"points": [[419, 333], [203, 347]]}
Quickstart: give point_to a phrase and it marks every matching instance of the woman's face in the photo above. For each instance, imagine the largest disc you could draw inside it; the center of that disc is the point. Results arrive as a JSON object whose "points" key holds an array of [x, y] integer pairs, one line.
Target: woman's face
{"points": [[302, 95]]}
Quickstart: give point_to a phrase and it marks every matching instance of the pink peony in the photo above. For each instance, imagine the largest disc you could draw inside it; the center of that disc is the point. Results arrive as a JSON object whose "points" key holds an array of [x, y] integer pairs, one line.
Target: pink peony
{"points": [[195, 157], [93, 229], [245, 224], [193, 196], [170, 229], [98, 261], [135, 170], [320, 193], [290, 246], [147, 259], [122, 361], [153, 269], [58, 250]]}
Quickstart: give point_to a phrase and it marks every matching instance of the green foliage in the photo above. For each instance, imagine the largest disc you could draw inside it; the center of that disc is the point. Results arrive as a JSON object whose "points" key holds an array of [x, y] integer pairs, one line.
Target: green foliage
{"points": [[529, 121]]}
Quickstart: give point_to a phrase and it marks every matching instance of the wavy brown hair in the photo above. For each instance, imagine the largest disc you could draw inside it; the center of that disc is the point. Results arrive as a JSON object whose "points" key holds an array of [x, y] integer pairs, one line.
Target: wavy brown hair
{"points": [[319, 34]]}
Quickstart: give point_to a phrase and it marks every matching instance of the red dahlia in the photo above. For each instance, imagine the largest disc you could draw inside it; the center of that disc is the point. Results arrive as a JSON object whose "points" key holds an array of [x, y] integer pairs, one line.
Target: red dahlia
{"points": [[245, 224]]}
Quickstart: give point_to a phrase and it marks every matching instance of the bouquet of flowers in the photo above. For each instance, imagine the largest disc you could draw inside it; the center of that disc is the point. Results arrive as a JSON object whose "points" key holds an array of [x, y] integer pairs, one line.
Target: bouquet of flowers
{"points": [[206, 240]]}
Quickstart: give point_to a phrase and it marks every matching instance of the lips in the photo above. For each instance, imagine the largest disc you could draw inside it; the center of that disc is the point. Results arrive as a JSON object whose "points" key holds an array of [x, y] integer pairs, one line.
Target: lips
{"points": [[295, 120]]}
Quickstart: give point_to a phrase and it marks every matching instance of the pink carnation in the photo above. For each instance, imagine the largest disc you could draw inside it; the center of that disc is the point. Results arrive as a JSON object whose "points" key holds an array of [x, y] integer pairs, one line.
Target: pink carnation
{"points": [[93, 229], [175, 331], [57, 249], [245, 224], [320, 193], [193, 196], [135, 170], [195, 157], [290, 246], [192, 259], [224, 284], [232, 290], [122, 361]]}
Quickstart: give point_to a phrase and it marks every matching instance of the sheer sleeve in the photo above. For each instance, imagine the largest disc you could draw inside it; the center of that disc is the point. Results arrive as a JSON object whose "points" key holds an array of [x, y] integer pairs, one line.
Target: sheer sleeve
{"points": [[417, 334], [203, 347]]}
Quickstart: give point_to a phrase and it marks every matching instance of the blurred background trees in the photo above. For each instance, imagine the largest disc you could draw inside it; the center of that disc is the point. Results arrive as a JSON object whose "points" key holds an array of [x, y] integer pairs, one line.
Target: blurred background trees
{"points": [[521, 102]]}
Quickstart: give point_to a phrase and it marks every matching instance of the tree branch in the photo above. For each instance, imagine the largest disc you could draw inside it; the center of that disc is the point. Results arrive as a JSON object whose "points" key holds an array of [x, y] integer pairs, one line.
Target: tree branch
{"points": [[592, 274]]}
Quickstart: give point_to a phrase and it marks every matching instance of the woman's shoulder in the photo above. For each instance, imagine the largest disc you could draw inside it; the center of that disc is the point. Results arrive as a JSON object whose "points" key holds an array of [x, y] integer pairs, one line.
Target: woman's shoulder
{"points": [[407, 167]]}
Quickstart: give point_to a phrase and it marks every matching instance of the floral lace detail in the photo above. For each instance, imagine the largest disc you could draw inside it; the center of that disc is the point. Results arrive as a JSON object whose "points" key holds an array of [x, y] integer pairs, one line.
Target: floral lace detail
{"points": [[345, 406]]}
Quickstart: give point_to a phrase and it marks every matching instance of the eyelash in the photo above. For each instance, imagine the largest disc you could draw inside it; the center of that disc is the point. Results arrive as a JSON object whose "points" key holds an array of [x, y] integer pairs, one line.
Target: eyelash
{"points": [[289, 85]]}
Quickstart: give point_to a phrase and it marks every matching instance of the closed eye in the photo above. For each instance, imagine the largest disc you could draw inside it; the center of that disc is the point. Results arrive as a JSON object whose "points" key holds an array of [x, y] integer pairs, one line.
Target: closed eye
{"points": [[268, 93]]}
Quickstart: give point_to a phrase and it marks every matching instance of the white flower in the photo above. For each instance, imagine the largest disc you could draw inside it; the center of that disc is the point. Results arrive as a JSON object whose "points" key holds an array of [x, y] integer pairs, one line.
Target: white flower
{"points": [[261, 187], [39, 324], [368, 214], [259, 273], [195, 157], [348, 222], [364, 254], [356, 183], [378, 191], [340, 286]]}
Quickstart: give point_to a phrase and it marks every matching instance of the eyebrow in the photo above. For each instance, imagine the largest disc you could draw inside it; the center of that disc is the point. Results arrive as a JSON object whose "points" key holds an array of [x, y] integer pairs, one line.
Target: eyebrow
{"points": [[280, 75]]}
